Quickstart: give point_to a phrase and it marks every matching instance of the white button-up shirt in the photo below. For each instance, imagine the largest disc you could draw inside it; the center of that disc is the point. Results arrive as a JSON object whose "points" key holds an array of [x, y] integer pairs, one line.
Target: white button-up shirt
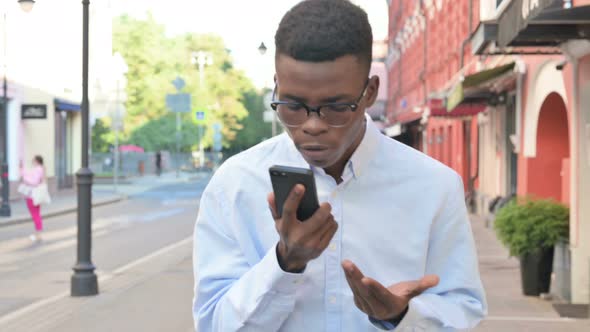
{"points": [[401, 216]]}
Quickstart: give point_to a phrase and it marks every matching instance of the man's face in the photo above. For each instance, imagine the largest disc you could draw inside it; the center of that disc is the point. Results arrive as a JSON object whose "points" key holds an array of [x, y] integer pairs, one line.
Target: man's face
{"points": [[318, 83]]}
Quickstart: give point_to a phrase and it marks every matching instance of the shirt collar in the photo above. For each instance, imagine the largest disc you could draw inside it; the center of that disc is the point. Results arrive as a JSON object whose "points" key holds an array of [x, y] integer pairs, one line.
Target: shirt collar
{"points": [[360, 159], [365, 152]]}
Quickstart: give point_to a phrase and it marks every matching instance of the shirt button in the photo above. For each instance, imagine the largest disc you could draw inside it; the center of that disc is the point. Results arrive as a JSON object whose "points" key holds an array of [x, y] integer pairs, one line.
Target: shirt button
{"points": [[297, 281], [334, 194], [332, 246], [332, 300]]}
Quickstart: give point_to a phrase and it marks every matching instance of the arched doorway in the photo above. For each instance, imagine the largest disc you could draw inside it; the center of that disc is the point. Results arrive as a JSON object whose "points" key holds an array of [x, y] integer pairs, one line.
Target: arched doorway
{"points": [[549, 169]]}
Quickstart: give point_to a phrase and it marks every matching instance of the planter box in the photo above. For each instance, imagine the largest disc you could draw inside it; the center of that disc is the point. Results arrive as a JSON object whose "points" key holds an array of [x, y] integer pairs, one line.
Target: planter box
{"points": [[535, 271]]}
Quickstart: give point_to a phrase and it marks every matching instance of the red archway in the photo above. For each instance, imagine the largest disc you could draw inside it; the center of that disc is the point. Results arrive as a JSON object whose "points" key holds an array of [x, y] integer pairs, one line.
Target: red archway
{"points": [[548, 174]]}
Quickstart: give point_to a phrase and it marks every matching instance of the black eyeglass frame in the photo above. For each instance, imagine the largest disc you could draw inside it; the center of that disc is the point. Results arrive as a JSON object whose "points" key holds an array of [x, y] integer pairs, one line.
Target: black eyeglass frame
{"points": [[353, 107]]}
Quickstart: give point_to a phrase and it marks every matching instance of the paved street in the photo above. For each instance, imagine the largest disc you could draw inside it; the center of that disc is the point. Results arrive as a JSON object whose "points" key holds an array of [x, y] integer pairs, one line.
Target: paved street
{"points": [[138, 243]]}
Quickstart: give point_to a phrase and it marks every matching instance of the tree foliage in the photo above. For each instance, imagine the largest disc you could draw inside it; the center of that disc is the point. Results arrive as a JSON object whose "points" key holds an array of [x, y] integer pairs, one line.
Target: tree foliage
{"points": [[100, 133], [254, 130], [154, 61]]}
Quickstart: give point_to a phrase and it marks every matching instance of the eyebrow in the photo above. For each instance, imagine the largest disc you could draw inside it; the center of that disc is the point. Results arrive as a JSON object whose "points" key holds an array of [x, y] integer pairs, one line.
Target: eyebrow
{"points": [[333, 99]]}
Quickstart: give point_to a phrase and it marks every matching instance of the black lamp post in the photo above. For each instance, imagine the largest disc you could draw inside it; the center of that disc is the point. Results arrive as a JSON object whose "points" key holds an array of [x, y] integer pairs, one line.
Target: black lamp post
{"points": [[26, 6], [84, 281]]}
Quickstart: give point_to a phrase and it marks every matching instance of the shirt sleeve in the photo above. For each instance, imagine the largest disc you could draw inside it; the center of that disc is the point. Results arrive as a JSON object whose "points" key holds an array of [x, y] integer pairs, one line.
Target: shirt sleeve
{"points": [[458, 302], [230, 293]]}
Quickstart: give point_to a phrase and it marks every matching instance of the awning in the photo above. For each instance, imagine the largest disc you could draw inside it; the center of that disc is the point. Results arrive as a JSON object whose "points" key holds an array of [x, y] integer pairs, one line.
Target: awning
{"points": [[517, 16], [475, 88], [527, 24], [63, 105], [438, 109]]}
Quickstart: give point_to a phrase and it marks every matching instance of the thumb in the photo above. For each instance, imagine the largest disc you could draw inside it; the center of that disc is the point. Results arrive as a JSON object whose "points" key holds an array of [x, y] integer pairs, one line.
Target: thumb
{"points": [[428, 281]]}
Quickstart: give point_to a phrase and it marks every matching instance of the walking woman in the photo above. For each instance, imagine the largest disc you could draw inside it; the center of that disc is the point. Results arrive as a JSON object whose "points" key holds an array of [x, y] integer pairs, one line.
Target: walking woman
{"points": [[32, 179]]}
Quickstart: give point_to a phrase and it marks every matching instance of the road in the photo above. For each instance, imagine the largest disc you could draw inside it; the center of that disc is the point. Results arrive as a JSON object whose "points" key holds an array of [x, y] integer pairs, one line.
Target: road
{"points": [[156, 221]]}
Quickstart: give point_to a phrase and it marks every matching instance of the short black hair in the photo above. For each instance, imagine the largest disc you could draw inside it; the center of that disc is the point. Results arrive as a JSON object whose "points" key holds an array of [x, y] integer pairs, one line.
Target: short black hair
{"points": [[324, 30], [39, 160]]}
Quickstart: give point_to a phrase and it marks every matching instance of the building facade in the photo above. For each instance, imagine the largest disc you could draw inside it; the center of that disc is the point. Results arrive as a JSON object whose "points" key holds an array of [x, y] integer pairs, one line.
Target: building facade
{"points": [[43, 57], [498, 90]]}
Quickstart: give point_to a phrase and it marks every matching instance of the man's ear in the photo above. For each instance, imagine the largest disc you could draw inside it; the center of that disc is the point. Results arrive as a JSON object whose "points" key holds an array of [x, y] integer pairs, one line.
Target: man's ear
{"points": [[372, 90]]}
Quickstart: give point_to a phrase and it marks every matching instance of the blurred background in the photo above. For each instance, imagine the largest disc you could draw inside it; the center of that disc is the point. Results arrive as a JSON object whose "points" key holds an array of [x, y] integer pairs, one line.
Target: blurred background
{"points": [[498, 90]]}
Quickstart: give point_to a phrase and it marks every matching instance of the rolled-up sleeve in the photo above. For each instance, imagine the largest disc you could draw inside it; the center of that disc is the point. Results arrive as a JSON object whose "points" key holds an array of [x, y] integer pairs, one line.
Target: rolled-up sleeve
{"points": [[230, 293]]}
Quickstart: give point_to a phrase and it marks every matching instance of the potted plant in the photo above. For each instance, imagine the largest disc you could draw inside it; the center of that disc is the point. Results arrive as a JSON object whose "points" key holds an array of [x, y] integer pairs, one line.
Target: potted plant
{"points": [[530, 228]]}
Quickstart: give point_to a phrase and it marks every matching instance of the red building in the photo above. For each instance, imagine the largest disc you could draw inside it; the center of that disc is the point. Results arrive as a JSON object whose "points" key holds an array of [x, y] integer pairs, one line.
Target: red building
{"points": [[499, 90]]}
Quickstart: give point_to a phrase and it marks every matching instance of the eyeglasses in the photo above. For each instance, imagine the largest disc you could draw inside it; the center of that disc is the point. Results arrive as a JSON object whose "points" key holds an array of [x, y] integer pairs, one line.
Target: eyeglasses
{"points": [[294, 114]]}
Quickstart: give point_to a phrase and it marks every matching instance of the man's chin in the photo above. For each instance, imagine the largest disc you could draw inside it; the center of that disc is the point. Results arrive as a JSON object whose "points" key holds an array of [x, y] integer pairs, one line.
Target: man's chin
{"points": [[319, 163]]}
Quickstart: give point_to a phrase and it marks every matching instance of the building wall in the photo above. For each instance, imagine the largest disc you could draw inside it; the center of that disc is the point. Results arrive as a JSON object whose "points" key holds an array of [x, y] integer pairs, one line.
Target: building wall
{"points": [[580, 233], [426, 47], [492, 156], [44, 61]]}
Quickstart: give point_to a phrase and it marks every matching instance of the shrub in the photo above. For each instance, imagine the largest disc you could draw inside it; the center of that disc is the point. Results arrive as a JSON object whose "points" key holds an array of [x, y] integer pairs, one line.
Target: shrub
{"points": [[526, 225]]}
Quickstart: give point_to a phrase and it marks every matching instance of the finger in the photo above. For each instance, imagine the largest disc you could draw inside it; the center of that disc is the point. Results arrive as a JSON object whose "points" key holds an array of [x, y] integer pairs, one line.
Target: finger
{"points": [[292, 202], [272, 206], [425, 283], [356, 276], [318, 219], [359, 301], [353, 270], [328, 232], [327, 235]]}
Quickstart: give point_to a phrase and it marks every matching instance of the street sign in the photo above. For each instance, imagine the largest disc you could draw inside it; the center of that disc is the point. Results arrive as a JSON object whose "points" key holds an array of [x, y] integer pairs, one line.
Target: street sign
{"points": [[200, 117], [179, 102], [178, 83]]}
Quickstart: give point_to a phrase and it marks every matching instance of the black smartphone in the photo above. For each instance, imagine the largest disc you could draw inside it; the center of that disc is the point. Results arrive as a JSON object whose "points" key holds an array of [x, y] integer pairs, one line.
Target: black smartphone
{"points": [[284, 178]]}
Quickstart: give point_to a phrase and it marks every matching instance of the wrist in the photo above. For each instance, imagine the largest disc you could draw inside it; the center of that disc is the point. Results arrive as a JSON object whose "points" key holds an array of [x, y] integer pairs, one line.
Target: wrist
{"points": [[286, 264], [397, 319]]}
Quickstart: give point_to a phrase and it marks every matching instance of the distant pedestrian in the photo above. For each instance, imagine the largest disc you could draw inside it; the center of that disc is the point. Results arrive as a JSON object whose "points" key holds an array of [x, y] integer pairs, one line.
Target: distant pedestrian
{"points": [[34, 188], [158, 163]]}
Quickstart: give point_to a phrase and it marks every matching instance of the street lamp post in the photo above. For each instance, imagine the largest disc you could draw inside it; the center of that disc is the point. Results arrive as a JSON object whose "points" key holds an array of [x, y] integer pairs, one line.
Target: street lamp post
{"points": [[262, 49], [202, 59], [84, 281], [26, 6]]}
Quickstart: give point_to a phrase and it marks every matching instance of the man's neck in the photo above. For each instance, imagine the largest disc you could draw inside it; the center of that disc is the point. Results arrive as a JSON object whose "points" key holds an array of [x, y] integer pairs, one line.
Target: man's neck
{"points": [[336, 170]]}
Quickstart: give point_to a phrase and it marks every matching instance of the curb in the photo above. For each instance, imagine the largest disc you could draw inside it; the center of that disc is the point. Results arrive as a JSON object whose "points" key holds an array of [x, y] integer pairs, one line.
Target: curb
{"points": [[73, 208]]}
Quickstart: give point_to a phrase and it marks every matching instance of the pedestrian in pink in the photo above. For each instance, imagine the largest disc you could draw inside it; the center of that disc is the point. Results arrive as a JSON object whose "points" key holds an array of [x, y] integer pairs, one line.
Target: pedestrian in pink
{"points": [[32, 178]]}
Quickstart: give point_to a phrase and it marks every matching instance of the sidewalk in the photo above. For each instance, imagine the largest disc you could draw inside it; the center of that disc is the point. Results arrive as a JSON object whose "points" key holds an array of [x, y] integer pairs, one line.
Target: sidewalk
{"points": [[509, 310], [102, 194]]}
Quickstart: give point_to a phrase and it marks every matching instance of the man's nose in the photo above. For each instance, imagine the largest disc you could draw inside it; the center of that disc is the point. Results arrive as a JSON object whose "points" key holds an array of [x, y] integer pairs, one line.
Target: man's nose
{"points": [[314, 125]]}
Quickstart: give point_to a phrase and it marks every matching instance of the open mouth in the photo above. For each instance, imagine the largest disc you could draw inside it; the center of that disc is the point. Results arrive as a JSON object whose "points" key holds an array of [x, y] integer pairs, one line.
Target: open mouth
{"points": [[314, 152]]}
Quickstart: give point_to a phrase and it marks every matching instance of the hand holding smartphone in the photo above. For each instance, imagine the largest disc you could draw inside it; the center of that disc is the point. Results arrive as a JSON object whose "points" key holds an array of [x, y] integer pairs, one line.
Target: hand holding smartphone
{"points": [[299, 241]]}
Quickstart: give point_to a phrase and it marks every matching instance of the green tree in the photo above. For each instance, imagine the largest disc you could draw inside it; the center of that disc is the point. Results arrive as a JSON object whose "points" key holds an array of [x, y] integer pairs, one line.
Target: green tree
{"points": [[154, 60], [100, 132], [160, 134], [254, 130]]}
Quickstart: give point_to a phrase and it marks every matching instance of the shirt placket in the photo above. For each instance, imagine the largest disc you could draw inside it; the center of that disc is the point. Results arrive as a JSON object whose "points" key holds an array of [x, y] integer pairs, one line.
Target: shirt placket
{"points": [[332, 267]]}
